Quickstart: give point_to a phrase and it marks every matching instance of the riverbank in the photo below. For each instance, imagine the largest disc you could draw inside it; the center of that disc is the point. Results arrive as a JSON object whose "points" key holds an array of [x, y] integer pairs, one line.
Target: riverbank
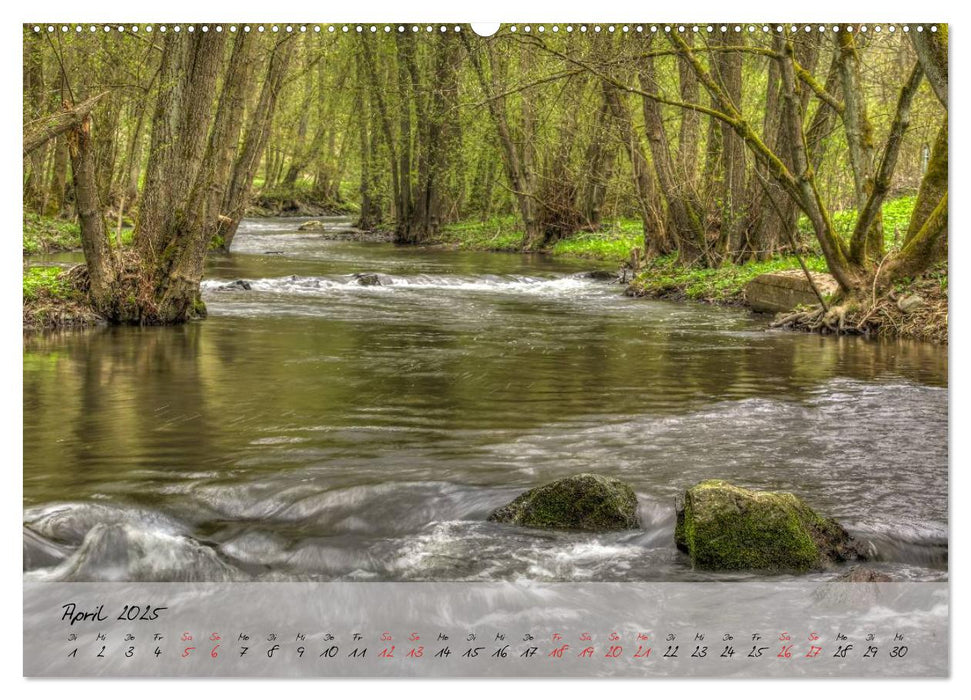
{"points": [[664, 278], [915, 309], [56, 298]]}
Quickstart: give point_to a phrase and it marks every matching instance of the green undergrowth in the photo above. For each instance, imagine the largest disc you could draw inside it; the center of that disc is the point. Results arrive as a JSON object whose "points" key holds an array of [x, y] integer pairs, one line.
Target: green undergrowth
{"points": [[498, 233], [45, 234], [52, 299], [896, 219], [613, 242], [666, 278], [44, 281]]}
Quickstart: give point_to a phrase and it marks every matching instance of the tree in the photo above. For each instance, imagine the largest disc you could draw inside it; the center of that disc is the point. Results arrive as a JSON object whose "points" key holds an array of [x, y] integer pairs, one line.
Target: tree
{"points": [[189, 195]]}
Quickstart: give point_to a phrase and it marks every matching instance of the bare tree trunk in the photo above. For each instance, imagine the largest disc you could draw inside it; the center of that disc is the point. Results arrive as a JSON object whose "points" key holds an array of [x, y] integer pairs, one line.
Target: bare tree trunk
{"points": [[656, 241], [515, 161], [683, 212], [255, 139], [101, 264], [727, 69], [600, 158], [865, 245], [931, 49], [34, 106], [405, 58]]}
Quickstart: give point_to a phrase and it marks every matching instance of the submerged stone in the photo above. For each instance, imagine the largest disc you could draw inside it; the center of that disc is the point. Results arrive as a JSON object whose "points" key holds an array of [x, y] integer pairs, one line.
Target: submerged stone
{"points": [[236, 285], [862, 574], [599, 275], [722, 526], [590, 502], [371, 279]]}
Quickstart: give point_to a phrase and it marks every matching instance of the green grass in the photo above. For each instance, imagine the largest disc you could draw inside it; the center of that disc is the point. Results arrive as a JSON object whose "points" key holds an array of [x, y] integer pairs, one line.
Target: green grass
{"points": [[613, 242], [44, 234], [500, 233], [722, 284], [896, 217], [38, 280]]}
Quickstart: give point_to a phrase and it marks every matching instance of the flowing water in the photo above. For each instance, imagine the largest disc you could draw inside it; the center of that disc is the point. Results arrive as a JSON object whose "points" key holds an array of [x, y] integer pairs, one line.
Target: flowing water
{"points": [[316, 428]]}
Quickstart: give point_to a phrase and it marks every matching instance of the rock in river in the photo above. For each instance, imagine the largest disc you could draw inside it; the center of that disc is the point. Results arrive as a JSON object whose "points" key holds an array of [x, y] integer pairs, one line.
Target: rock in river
{"points": [[372, 279], [235, 285], [588, 502], [313, 225], [722, 526], [599, 275], [861, 574]]}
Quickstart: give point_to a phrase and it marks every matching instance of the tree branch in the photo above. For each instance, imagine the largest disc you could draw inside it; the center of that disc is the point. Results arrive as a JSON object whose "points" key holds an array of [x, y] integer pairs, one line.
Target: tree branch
{"points": [[57, 123]]}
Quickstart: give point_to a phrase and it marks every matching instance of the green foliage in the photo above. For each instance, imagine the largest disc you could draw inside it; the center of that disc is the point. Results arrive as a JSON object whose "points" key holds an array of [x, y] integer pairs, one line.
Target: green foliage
{"points": [[613, 242], [896, 217], [499, 233], [721, 284], [41, 281], [44, 234]]}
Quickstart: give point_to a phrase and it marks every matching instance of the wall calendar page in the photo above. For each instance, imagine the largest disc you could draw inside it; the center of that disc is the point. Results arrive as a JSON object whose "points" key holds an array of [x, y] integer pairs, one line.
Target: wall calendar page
{"points": [[521, 350]]}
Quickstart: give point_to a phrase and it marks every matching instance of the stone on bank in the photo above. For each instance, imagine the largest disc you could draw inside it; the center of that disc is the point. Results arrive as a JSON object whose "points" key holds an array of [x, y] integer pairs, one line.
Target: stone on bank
{"points": [[772, 292]]}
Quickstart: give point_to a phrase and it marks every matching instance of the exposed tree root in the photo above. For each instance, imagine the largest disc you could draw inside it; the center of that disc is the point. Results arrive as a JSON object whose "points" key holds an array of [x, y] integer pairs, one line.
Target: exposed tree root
{"points": [[919, 312]]}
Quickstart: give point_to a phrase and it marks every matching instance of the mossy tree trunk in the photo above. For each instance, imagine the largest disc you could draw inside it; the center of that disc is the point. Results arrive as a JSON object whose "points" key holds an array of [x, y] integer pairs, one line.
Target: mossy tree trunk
{"points": [[853, 264], [194, 137]]}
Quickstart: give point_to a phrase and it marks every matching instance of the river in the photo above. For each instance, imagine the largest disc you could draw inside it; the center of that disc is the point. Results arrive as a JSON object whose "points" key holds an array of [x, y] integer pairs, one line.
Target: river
{"points": [[317, 429]]}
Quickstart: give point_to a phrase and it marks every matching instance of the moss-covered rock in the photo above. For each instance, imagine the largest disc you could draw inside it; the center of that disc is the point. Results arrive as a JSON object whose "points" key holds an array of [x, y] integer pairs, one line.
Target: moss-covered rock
{"points": [[588, 502], [721, 526]]}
